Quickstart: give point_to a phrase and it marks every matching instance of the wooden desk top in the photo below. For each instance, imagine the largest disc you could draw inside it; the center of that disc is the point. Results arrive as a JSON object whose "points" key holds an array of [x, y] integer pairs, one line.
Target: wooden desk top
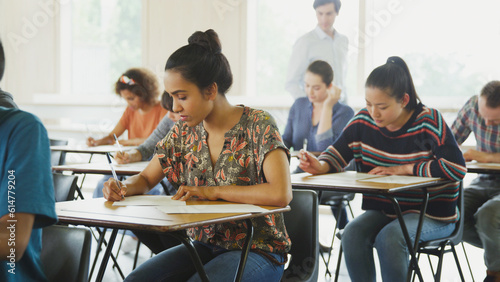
{"points": [[488, 168], [99, 212], [351, 181], [103, 168], [91, 150]]}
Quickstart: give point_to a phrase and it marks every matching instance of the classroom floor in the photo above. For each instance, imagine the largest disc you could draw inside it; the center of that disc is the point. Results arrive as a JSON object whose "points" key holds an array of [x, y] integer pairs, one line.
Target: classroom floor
{"points": [[327, 221]]}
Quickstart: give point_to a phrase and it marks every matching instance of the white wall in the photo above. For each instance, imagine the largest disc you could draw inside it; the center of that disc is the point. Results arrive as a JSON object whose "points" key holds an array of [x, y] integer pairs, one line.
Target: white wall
{"points": [[29, 32], [168, 24]]}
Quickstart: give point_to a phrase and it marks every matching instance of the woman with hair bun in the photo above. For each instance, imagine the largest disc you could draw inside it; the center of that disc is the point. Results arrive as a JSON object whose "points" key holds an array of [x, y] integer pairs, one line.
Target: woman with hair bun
{"points": [[216, 151], [394, 135]]}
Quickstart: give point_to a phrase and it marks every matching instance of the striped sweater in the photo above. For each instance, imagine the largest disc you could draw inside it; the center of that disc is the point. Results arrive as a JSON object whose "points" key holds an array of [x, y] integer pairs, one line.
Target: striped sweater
{"points": [[424, 140]]}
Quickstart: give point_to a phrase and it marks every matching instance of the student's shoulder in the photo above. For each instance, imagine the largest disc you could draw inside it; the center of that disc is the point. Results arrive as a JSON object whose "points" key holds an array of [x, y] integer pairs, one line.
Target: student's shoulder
{"points": [[258, 117], [301, 102], [17, 116], [307, 38], [429, 116], [345, 108], [361, 119], [472, 102]]}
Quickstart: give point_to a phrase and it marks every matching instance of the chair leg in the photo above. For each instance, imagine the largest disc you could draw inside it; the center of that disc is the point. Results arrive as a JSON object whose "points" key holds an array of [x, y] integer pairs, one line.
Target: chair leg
{"points": [[136, 254], [337, 271], [458, 263], [339, 218], [468, 263]]}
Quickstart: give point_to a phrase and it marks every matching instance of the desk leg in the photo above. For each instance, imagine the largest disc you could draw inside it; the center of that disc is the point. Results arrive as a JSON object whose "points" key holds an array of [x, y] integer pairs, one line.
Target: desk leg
{"points": [[413, 257], [181, 236], [106, 256], [246, 249], [100, 242]]}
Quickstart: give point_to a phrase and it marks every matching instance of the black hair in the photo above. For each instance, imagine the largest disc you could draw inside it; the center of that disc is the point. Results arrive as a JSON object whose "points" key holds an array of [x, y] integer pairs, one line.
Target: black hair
{"points": [[322, 69], [394, 77], [141, 82], [491, 91], [336, 3], [167, 101], [201, 62], [2, 60]]}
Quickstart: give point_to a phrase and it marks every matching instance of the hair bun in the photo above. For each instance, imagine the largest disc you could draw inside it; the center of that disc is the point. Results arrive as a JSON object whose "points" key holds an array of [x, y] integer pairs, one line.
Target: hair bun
{"points": [[208, 40]]}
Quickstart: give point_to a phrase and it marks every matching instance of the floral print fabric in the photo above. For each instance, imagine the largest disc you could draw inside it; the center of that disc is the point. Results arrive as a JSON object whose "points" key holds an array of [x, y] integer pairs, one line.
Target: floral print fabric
{"points": [[185, 160]]}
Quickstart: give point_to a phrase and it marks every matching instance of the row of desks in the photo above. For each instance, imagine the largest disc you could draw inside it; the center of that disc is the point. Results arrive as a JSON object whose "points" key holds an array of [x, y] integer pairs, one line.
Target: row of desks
{"points": [[98, 212]]}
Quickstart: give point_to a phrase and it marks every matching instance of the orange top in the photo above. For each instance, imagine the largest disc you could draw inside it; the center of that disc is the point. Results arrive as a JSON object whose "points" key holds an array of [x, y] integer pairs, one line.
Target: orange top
{"points": [[142, 125]]}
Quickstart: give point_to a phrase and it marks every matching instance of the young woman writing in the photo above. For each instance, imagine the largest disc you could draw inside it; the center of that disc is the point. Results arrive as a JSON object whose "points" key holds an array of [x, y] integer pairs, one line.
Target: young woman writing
{"points": [[394, 135], [216, 151]]}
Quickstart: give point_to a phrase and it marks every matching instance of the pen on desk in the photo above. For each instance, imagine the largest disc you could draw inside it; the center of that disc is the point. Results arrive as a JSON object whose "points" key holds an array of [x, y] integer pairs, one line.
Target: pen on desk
{"points": [[304, 147], [114, 174]]}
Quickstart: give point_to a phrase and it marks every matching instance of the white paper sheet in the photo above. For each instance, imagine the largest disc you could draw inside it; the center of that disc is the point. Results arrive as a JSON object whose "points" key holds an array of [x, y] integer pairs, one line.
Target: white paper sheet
{"points": [[400, 179], [143, 200], [493, 165], [345, 175], [229, 208]]}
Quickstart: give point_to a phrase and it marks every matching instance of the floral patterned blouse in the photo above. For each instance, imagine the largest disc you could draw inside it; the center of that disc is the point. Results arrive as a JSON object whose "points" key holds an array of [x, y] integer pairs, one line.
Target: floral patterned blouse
{"points": [[185, 160]]}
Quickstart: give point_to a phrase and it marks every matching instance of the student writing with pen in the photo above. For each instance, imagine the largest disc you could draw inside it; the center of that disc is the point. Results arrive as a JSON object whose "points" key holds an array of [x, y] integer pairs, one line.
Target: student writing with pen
{"points": [[394, 135], [155, 242], [140, 89], [145, 151], [216, 151]]}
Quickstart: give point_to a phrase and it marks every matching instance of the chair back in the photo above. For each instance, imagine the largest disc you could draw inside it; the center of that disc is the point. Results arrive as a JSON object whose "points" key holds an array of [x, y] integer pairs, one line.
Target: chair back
{"points": [[57, 157], [65, 253], [64, 186], [302, 227]]}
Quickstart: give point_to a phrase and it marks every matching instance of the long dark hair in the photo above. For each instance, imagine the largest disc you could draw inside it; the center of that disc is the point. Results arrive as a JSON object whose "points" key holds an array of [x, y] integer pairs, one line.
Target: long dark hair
{"points": [[394, 78], [201, 62]]}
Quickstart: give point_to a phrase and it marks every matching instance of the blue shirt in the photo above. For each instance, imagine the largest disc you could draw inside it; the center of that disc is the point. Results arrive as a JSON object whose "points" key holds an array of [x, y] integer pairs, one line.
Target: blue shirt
{"points": [[299, 126], [25, 157]]}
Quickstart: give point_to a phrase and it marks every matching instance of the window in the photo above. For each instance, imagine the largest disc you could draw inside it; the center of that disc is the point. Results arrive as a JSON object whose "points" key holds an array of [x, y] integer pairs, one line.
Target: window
{"points": [[274, 26], [451, 47], [100, 40]]}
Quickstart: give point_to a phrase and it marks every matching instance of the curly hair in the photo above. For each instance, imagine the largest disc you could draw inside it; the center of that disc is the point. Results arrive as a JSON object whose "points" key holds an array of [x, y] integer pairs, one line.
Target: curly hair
{"points": [[141, 82]]}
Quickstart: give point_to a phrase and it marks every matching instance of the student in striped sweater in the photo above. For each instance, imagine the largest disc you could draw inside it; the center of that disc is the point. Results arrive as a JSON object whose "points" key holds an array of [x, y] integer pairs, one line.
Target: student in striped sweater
{"points": [[394, 135]]}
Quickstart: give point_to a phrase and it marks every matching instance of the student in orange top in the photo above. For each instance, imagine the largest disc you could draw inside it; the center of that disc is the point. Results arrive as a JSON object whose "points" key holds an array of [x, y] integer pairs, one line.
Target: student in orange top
{"points": [[140, 88]]}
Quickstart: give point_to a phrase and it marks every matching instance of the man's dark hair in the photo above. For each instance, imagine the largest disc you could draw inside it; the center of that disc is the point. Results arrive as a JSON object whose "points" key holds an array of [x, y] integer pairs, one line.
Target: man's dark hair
{"points": [[491, 91], [336, 3]]}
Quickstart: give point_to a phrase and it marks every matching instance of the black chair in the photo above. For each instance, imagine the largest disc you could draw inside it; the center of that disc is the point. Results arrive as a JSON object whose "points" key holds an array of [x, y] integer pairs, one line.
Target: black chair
{"points": [[340, 201], [64, 186], [302, 227], [57, 157], [65, 253], [447, 244]]}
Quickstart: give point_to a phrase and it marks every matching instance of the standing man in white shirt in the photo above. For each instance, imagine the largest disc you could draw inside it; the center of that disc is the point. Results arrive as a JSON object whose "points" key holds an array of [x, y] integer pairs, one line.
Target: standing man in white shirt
{"points": [[322, 43]]}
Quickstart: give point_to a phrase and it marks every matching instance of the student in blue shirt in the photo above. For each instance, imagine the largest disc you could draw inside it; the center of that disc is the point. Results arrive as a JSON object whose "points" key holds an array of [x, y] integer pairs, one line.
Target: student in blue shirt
{"points": [[27, 202], [318, 118]]}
